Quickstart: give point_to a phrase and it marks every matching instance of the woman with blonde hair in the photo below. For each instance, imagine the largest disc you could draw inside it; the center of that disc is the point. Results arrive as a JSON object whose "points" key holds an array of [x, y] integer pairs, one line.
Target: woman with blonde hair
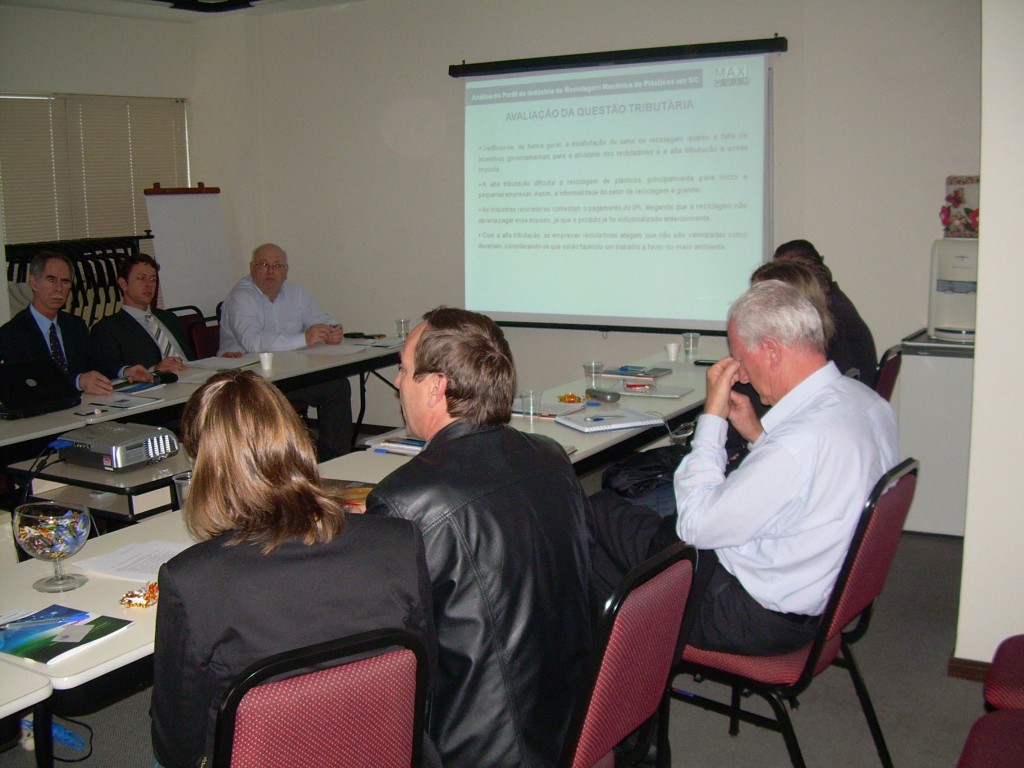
{"points": [[279, 564]]}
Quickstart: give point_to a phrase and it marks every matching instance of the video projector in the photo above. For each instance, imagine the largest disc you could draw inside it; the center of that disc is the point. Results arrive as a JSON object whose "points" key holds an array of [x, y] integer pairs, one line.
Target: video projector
{"points": [[117, 447]]}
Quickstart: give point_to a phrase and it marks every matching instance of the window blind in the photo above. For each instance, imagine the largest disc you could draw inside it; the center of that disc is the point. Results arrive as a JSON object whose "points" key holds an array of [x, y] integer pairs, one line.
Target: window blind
{"points": [[76, 166]]}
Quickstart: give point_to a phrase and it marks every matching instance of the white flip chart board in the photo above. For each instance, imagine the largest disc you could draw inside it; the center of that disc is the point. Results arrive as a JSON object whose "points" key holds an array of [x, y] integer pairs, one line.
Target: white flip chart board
{"points": [[191, 245]]}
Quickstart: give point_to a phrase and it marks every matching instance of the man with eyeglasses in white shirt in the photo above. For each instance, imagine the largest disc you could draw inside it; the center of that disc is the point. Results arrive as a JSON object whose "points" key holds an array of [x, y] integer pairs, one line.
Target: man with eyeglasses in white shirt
{"points": [[264, 313]]}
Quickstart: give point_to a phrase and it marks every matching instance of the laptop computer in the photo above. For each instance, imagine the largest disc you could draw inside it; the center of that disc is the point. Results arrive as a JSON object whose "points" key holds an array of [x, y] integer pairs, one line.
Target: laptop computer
{"points": [[34, 387]]}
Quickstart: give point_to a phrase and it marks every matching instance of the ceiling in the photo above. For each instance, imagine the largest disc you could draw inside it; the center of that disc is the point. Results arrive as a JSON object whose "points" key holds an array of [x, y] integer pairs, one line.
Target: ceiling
{"points": [[160, 10]]}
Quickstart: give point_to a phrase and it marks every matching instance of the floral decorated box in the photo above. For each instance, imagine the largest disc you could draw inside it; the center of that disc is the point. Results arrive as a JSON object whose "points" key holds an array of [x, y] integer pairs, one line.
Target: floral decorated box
{"points": [[960, 213]]}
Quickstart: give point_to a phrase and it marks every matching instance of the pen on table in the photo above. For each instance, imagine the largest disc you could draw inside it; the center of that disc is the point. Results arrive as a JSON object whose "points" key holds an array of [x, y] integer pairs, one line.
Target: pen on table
{"points": [[33, 623], [602, 418]]}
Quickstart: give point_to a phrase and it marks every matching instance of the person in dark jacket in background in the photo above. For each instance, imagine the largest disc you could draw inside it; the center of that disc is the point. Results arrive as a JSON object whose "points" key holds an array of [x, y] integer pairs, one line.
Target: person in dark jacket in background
{"points": [[506, 530], [852, 333]]}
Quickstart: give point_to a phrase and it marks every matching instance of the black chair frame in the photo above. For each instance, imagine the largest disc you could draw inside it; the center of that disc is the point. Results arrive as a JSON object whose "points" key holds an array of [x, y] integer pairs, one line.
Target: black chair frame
{"points": [[885, 379], [777, 696], [321, 656]]}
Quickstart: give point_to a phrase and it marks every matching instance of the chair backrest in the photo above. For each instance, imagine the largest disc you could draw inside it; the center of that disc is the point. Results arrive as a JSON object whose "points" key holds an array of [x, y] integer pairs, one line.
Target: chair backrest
{"points": [[205, 339], [1004, 681], [868, 559], [635, 648], [357, 702], [188, 315], [888, 370]]}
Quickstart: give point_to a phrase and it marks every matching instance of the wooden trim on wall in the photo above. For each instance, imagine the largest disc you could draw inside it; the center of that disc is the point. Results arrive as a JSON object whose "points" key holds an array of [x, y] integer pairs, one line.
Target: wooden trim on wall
{"points": [[966, 669]]}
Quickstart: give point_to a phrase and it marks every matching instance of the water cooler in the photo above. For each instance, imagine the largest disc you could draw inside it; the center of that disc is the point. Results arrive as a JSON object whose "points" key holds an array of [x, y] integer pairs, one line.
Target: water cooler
{"points": [[953, 298]]}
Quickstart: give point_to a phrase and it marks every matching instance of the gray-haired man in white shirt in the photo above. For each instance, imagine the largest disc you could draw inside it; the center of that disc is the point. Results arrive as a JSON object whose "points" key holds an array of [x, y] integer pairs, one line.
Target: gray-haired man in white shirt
{"points": [[263, 313], [773, 534]]}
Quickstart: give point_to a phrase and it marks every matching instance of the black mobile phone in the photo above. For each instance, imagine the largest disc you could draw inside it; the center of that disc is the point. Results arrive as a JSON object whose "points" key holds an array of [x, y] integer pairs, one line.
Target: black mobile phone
{"points": [[704, 362]]}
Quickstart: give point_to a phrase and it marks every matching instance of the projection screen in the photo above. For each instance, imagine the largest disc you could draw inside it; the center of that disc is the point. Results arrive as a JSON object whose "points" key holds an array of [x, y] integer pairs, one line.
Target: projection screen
{"points": [[624, 195]]}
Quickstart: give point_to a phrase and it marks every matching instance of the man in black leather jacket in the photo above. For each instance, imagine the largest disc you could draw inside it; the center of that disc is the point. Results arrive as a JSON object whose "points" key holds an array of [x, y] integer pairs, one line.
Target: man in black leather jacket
{"points": [[507, 535]]}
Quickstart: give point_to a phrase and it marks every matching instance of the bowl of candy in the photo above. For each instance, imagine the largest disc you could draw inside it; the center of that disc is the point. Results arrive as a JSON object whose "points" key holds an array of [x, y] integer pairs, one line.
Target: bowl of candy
{"points": [[53, 532]]}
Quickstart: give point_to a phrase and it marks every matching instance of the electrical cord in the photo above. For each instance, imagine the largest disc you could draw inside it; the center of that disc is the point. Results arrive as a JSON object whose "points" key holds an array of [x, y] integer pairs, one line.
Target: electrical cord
{"points": [[41, 462]]}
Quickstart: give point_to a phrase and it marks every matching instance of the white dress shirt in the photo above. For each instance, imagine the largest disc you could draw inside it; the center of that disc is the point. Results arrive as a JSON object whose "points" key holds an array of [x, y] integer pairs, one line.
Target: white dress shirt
{"points": [[250, 322], [782, 522]]}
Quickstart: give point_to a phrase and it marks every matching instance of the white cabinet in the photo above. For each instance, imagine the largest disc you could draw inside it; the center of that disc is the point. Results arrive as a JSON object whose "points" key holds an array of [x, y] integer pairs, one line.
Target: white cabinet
{"points": [[935, 428]]}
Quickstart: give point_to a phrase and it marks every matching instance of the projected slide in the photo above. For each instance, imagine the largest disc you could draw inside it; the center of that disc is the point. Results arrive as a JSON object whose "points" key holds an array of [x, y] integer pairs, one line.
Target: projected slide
{"points": [[635, 193]]}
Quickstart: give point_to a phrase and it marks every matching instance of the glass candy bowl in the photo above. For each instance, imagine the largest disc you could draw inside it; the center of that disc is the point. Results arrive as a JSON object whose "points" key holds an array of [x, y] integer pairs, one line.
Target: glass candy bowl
{"points": [[50, 531]]}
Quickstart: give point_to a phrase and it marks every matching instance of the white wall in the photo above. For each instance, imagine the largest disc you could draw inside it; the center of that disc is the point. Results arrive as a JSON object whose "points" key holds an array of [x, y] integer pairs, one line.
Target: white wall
{"points": [[55, 52], [992, 591]]}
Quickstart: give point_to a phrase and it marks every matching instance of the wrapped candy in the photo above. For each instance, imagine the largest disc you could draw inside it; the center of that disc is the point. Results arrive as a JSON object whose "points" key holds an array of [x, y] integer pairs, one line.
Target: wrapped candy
{"points": [[142, 598]]}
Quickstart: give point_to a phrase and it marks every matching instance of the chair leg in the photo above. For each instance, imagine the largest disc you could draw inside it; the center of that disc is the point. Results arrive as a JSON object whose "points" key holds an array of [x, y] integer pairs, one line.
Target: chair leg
{"points": [[664, 758], [866, 705], [778, 705], [734, 721]]}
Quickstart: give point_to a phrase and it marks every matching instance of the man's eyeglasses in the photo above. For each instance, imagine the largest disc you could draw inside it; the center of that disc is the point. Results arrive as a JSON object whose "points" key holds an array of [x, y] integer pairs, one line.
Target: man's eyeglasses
{"points": [[271, 266]]}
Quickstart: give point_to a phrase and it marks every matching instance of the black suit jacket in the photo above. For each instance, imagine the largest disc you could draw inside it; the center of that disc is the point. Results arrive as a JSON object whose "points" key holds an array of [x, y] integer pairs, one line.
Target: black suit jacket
{"points": [[224, 607], [120, 340], [21, 341]]}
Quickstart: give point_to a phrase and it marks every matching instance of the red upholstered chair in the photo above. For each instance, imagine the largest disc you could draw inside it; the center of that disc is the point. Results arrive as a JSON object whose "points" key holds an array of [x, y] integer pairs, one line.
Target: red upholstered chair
{"points": [[1004, 682], [361, 706], [888, 370], [781, 678], [205, 337], [634, 650], [996, 740]]}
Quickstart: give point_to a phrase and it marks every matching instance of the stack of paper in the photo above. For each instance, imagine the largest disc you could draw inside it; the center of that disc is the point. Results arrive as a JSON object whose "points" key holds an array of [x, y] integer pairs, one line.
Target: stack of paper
{"points": [[398, 442], [593, 420]]}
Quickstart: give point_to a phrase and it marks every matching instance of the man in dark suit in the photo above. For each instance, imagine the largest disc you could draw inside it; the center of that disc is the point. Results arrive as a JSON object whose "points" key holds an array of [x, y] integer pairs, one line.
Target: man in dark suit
{"points": [[42, 330], [139, 338]]}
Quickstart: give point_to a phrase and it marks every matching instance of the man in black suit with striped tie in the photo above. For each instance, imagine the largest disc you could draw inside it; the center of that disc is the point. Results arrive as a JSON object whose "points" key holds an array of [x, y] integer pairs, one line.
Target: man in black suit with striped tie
{"points": [[42, 330], [139, 338]]}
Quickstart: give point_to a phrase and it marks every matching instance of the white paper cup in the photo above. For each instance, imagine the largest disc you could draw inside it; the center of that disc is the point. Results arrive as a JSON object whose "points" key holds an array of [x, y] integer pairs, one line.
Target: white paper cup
{"points": [[672, 350], [266, 360]]}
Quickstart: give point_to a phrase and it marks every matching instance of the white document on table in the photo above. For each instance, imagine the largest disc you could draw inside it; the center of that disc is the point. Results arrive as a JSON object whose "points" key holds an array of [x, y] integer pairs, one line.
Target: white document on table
{"points": [[335, 349], [224, 363], [139, 562], [195, 375], [118, 402]]}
